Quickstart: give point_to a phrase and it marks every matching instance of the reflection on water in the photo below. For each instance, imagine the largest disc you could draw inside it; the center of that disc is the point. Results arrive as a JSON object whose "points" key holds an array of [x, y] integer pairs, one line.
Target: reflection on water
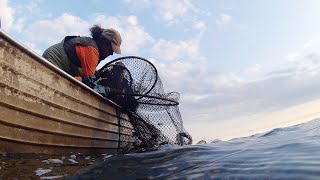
{"points": [[288, 153]]}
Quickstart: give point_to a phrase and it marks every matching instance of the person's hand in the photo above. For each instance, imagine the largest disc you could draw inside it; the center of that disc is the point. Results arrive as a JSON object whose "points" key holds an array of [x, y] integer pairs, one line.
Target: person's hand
{"points": [[88, 81], [78, 78]]}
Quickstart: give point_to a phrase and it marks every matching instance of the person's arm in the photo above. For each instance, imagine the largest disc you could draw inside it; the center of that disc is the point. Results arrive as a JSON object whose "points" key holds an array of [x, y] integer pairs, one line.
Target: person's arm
{"points": [[89, 59]]}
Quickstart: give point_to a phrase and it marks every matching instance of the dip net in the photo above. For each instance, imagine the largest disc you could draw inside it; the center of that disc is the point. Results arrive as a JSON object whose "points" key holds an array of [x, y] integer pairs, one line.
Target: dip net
{"points": [[134, 84]]}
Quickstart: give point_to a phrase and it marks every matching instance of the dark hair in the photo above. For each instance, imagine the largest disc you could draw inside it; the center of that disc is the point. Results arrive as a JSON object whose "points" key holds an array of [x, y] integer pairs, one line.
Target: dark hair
{"points": [[96, 31]]}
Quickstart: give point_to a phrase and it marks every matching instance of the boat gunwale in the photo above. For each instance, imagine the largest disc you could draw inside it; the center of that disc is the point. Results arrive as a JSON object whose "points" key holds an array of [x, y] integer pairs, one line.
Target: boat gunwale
{"points": [[52, 67], [100, 104], [59, 92]]}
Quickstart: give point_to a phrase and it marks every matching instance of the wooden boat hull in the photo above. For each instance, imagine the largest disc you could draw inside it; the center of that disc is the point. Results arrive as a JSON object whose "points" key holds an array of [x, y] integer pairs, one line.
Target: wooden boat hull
{"points": [[44, 110]]}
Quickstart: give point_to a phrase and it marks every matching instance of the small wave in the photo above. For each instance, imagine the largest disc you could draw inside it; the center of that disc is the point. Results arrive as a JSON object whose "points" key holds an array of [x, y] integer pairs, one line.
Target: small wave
{"points": [[272, 132], [282, 153]]}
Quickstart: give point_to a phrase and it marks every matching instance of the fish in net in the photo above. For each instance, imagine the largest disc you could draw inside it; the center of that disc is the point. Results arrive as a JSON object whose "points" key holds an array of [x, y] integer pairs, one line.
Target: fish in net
{"points": [[134, 84]]}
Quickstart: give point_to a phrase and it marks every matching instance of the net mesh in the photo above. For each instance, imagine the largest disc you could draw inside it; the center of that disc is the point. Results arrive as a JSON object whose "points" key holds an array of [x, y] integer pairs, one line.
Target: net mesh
{"points": [[133, 83]]}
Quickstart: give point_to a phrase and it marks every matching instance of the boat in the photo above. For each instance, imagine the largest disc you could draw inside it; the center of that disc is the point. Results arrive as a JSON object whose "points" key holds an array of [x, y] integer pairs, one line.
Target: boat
{"points": [[45, 110]]}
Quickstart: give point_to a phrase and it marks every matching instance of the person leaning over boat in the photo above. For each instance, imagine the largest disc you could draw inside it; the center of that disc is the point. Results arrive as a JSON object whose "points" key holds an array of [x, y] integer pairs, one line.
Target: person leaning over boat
{"points": [[79, 56]]}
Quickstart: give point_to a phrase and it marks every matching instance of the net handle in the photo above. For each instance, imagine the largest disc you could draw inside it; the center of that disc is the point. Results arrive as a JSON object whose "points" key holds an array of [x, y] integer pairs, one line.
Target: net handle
{"points": [[173, 103]]}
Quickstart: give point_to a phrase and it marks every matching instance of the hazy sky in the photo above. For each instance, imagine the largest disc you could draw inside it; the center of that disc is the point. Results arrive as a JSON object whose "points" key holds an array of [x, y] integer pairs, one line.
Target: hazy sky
{"points": [[240, 67]]}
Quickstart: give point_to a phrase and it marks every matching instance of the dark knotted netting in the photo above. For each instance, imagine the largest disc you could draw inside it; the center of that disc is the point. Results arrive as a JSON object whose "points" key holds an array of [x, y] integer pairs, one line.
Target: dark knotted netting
{"points": [[134, 84]]}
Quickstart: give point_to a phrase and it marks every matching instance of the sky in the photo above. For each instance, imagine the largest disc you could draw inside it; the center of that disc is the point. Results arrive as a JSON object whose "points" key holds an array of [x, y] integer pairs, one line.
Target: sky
{"points": [[241, 67]]}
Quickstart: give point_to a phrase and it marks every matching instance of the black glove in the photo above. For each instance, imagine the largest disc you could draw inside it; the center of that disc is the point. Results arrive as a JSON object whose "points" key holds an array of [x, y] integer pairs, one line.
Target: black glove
{"points": [[87, 80]]}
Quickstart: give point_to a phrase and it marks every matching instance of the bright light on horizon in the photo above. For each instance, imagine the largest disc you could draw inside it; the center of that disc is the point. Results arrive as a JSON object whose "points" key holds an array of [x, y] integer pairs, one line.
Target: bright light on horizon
{"points": [[258, 123]]}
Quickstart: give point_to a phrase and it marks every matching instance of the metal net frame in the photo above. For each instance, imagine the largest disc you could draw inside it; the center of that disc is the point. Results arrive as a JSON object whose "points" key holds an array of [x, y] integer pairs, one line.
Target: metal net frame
{"points": [[133, 83]]}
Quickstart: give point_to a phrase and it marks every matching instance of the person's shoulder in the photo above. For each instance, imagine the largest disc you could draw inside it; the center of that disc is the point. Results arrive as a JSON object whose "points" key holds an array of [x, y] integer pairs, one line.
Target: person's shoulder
{"points": [[87, 39]]}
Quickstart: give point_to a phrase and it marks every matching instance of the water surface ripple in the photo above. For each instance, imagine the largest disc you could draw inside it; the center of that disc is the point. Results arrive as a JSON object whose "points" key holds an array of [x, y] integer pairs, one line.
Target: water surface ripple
{"points": [[283, 153]]}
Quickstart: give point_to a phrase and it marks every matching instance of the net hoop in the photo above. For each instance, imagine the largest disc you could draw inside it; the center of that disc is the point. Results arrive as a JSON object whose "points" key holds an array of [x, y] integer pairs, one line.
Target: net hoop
{"points": [[154, 114], [115, 65], [165, 101], [135, 57]]}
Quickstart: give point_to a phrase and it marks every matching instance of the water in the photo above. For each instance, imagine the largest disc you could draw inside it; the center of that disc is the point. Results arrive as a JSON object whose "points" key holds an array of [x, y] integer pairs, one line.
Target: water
{"points": [[283, 153]]}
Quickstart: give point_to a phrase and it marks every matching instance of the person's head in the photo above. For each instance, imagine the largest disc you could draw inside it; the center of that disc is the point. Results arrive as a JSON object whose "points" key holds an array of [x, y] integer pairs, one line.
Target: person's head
{"points": [[108, 41]]}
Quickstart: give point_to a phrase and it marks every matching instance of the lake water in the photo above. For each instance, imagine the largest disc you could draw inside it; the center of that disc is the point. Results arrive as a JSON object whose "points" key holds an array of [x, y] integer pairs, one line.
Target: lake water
{"points": [[283, 153]]}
